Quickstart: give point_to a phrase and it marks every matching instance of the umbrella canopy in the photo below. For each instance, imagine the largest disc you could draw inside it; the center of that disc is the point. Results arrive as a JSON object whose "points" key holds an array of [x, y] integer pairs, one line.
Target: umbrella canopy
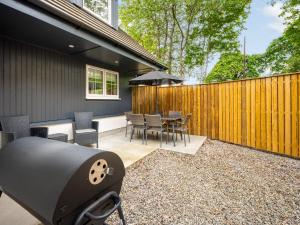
{"points": [[155, 78]]}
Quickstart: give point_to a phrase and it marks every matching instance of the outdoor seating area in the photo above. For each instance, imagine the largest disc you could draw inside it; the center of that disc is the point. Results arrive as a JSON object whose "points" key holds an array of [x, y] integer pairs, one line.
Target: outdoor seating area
{"points": [[152, 113], [159, 126]]}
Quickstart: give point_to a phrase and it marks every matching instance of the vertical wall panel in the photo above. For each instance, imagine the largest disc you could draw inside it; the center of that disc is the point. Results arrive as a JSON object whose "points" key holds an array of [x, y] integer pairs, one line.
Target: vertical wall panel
{"points": [[1, 77]]}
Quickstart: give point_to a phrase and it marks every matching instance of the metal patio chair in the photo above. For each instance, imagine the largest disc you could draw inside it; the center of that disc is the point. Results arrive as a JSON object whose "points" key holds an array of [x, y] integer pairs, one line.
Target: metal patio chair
{"points": [[182, 127], [85, 131], [154, 124], [128, 121], [138, 124]]}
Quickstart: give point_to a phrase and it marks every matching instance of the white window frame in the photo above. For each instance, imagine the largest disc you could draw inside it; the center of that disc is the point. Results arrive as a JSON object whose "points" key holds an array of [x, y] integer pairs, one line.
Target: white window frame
{"points": [[104, 96], [109, 21]]}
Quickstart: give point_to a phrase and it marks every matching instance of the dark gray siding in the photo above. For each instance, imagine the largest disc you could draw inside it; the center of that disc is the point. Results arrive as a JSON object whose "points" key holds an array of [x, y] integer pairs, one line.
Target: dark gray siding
{"points": [[47, 85]]}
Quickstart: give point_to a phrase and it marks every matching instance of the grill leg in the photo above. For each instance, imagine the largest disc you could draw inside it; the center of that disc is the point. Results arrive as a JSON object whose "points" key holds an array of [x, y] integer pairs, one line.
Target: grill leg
{"points": [[121, 215], [126, 129], [132, 131]]}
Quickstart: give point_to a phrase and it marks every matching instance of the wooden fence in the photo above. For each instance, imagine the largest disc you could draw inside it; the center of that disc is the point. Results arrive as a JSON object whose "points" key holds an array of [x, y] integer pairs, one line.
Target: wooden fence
{"points": [[262, 113]]}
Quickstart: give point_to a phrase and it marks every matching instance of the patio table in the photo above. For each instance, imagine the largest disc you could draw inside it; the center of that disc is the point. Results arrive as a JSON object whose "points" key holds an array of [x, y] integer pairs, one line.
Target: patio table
{"points": [[171, 120]]}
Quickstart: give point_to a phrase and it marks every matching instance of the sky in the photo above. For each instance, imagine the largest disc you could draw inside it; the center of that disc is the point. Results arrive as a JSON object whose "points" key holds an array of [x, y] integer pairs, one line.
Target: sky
{"points": [[263, 25]]}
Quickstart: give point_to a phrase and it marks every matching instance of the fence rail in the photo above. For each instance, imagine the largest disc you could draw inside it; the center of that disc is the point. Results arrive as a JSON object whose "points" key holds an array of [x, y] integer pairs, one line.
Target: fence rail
{"points": [[262, 113]]}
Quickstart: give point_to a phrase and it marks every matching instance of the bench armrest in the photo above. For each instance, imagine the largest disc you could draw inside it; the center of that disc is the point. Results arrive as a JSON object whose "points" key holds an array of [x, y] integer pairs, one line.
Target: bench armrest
{"points": [[5, 138], [39, 132], [95, 125]]}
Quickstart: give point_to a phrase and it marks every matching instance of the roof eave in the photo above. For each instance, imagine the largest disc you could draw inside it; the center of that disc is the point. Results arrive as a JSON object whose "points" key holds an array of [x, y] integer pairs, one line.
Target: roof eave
{"points": [[48, 7]]}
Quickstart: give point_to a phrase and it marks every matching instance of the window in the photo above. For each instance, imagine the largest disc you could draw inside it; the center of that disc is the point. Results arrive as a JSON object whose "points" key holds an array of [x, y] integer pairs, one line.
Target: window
{"points": [[99, 8], [101, 83]]}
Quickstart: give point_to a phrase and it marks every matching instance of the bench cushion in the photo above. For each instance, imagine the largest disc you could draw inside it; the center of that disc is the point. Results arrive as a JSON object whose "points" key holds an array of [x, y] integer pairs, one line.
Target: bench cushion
{"points": [[84, 131]]}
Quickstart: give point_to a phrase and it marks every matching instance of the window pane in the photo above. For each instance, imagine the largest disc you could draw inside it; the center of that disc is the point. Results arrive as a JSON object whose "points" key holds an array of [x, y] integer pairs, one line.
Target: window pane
{"points": [[111, 83], [100, 7], [95, 78]]}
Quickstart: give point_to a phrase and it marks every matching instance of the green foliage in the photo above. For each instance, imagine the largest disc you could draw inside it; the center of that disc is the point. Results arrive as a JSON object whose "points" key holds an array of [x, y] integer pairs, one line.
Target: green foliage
{"points": [[231, 67], [283, 54], [184, 34]]}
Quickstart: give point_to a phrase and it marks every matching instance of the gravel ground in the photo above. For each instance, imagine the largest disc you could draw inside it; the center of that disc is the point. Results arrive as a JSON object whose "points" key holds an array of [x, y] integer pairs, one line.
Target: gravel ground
{"points": [[221, 184]]}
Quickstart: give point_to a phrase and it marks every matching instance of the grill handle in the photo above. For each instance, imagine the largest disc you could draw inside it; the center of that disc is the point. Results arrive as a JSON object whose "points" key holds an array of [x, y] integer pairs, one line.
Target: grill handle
{"points": [[87, 211]]}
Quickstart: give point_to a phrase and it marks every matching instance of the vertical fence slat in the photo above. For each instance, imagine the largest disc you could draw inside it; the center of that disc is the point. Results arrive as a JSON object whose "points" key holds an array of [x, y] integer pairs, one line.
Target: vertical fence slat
{"points": [[235, 112], [217, 108], [287, 115], [280, 115], [269, 112], [220, 112], [199, 110], [244, 127], [263, 126], [295, 121], [274, 115], [239, 112], [257, 114], [227, 109], [252, 109], [248, 111]]}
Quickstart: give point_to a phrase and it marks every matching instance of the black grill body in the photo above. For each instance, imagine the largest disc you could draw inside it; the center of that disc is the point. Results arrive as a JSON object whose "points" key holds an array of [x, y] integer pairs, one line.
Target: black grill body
{"points": [[52, 181]]}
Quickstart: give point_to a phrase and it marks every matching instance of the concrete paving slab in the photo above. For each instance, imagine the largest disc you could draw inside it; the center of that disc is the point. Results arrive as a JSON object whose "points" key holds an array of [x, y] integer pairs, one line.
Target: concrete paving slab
{"points": [[11, 213]]}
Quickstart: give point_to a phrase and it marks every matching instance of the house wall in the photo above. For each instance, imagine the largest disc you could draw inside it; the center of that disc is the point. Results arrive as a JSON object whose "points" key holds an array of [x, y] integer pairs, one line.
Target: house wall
{"points": [[47, 85]]}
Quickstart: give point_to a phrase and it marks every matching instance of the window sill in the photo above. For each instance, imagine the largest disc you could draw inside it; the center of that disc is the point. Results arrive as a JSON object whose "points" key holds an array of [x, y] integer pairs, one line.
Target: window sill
{"points": [[103, 99]]}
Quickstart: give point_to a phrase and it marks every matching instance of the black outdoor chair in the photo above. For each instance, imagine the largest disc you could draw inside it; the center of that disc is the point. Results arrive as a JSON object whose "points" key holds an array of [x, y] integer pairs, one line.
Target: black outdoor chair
{"points": [[154, 124], [182, 127], [85, 131], [13, 127], [138, 123], [128, 121]]}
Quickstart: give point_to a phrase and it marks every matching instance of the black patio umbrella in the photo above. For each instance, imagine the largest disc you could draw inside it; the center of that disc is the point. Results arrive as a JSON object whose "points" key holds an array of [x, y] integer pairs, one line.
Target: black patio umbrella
{"points": [[156, 78]]}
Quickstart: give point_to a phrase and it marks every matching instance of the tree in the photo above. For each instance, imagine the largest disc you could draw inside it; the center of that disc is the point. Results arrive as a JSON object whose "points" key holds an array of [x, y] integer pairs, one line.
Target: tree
{"points": [[185, 33], [231, 67], [283, 54]]}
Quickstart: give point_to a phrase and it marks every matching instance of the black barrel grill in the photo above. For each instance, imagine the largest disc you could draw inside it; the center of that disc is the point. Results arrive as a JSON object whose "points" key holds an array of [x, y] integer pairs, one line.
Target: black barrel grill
{"points": [[61, 183]]}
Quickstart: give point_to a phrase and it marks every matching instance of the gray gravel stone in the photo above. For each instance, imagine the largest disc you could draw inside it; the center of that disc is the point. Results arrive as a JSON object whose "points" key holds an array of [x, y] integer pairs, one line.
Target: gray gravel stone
{"points": [[221, 184]]}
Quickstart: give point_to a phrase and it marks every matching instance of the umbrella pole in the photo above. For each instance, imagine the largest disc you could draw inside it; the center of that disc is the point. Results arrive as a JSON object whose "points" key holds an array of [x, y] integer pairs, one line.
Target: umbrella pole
{"points": [[156, 106]]}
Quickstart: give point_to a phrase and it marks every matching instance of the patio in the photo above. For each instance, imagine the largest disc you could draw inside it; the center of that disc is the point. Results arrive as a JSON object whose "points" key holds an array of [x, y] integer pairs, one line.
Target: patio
{"points": [[133, 151]]}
